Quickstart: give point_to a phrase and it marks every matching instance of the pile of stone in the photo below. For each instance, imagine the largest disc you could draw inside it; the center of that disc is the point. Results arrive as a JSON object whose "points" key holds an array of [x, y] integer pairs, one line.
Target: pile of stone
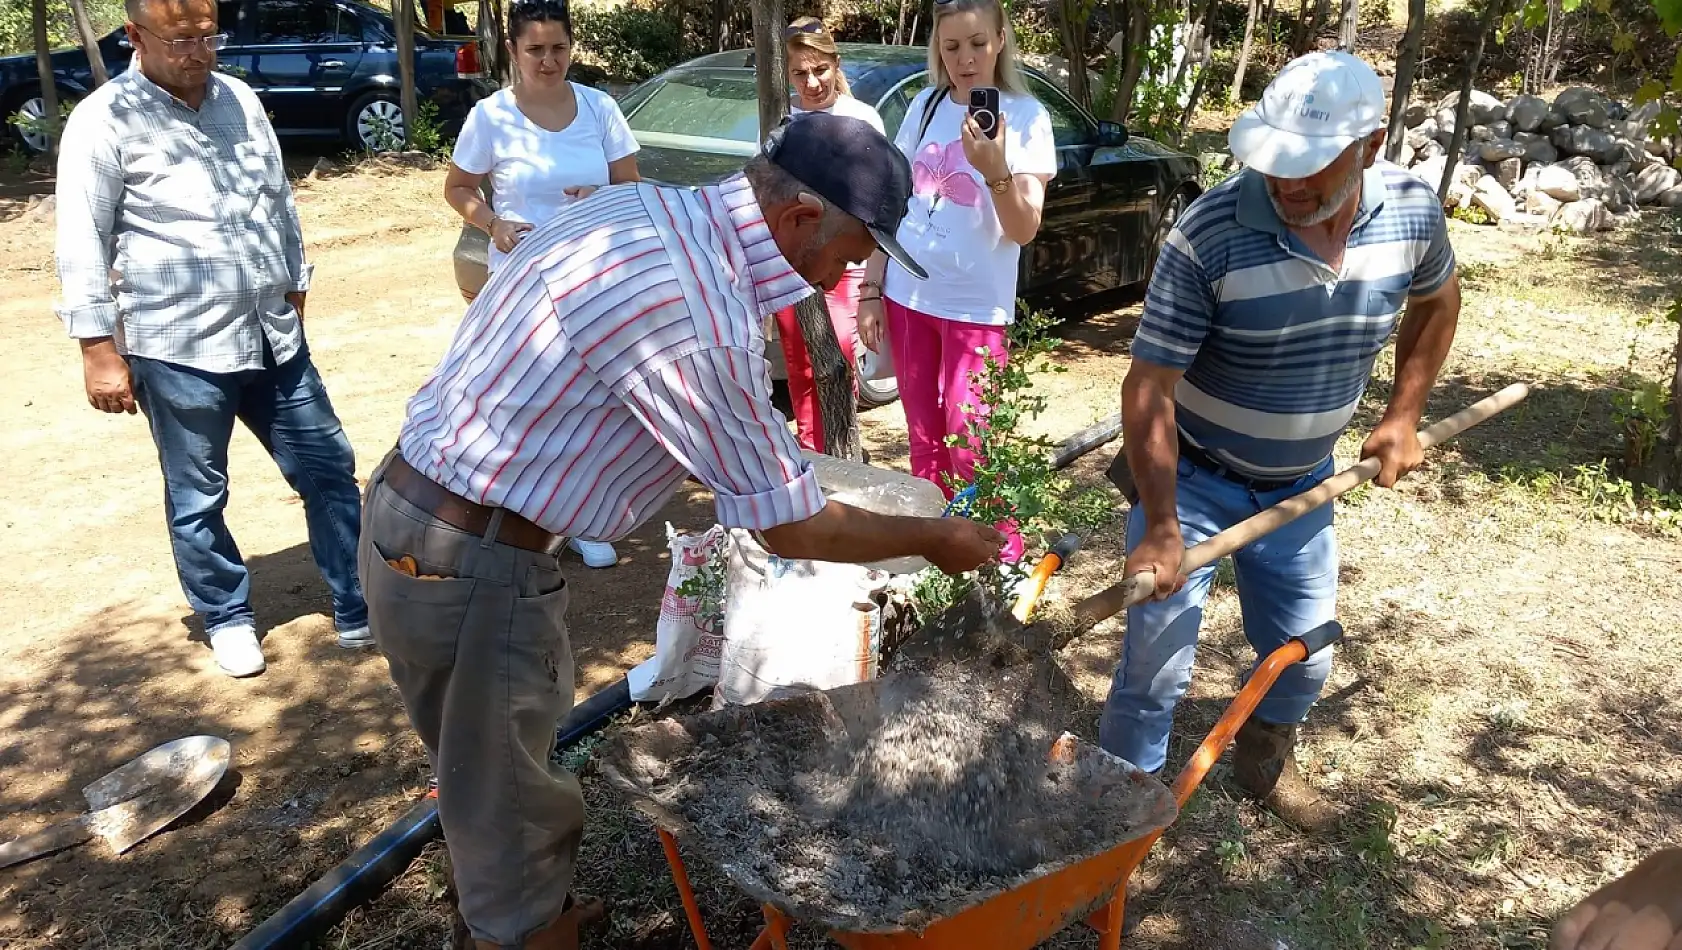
{"points": [[1583, 163]]}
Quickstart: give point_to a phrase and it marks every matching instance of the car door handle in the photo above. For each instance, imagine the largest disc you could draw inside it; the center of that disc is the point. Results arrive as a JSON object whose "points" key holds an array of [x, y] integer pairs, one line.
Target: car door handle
{"points": [[332, 64]]}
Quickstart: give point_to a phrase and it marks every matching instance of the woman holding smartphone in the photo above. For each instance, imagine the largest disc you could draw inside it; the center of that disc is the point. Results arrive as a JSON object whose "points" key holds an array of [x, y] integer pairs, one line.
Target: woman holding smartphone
{"points": [[814, 72], [544, 143], [979, 189]]}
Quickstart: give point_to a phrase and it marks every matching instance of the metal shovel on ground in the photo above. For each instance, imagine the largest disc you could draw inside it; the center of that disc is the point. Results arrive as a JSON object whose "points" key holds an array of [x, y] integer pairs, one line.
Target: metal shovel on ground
{"points": [[980, 626], [135, 801]]}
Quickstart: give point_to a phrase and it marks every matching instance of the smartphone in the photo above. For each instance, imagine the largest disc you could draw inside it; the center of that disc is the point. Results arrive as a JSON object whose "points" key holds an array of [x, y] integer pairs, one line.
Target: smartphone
{"points": [[984, 108]]}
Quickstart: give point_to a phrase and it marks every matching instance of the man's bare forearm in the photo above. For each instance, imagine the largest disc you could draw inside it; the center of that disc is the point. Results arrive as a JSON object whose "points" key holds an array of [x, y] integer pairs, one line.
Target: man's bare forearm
{"points": [[1152, 444], [851, 535], [1422, 345]]}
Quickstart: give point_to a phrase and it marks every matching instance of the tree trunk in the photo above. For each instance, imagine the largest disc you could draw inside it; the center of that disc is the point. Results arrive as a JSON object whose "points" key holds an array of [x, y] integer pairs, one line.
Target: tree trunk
{"points": [[44, 67], [1191, 103], [899, 31], [1349, 25], [1299, 32], [1237, 92], [831, 370], [1196, 33], [1268, 20], [1133, 62], [90, 43], [1463, 111], [1406, 65], [772, 79], [1072, 19], [403, 20]]}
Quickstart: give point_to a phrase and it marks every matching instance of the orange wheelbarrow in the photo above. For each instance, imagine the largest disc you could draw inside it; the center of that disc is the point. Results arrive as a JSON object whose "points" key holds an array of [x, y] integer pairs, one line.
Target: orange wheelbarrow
{"points": [[1091, 888]]}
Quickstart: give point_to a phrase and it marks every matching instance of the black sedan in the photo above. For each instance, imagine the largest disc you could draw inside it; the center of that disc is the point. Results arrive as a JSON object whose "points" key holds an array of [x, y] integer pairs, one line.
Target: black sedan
{"points": [[1113, 201]]}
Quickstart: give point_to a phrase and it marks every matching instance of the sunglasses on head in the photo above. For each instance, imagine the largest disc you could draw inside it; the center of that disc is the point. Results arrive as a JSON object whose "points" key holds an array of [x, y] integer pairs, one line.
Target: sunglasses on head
{"points": [[791, 32]]}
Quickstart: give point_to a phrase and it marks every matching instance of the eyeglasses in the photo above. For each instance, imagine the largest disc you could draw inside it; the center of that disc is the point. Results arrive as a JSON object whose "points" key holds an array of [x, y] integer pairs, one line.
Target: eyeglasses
{"points": [[791, 32], [192, 44]]}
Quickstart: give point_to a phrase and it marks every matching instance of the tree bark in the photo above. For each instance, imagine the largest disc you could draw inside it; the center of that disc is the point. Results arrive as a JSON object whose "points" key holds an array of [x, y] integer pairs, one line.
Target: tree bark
{"points": [[1072, 19], [403, 21], [1299, 32], [772, 79], [1237, 92], [1406, 65], [831, 370], [899, 31], [1196, 97], [1349, 25], [44, 67], [1133, 59], [1463, 111], [90, 43]]}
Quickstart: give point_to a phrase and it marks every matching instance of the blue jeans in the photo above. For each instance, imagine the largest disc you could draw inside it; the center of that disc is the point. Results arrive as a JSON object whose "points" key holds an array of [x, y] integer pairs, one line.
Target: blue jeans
{"points": [[192, 416], [1287, 586]]}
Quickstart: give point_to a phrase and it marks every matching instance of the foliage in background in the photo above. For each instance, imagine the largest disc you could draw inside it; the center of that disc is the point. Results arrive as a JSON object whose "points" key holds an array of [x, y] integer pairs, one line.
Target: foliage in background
{"points": [[1157, 98], [15, 31], [630, 42]]}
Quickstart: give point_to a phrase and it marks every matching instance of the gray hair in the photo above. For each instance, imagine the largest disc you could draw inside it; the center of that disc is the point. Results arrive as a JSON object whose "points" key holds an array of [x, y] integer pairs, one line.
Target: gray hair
{"points": [[774, 185]]}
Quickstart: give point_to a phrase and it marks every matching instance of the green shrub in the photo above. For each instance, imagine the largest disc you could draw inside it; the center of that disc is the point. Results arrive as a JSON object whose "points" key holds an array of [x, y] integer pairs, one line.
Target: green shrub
{"points": [[630, 43]]}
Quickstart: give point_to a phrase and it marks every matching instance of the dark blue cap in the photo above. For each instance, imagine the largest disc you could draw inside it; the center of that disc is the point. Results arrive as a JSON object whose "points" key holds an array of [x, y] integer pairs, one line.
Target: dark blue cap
{"points": [[849, 164]]}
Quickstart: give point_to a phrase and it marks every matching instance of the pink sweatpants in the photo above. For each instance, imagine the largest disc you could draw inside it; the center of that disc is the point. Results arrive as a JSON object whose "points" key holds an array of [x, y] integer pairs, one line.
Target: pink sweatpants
{"points": [[802, 387], [934, 360]]}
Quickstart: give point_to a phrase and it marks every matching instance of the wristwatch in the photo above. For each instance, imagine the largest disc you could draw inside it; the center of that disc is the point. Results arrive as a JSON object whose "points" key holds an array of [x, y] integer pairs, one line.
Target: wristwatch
{"points": [[1002, 185]]}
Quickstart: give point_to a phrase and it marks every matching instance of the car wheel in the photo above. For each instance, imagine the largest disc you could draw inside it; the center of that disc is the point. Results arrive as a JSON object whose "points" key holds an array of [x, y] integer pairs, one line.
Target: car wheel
{"points": [[32, 109], [1165, 226], [375, 123], [874, 393]]}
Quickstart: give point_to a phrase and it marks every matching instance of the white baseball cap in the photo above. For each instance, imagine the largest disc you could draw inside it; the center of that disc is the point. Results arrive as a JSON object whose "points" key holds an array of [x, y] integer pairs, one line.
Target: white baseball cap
{"points": [[1315, 108]]}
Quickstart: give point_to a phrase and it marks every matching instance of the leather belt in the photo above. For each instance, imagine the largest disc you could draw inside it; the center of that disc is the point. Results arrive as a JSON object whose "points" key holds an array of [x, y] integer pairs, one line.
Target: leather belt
{"points": [[1205, 461], [459, 513]]}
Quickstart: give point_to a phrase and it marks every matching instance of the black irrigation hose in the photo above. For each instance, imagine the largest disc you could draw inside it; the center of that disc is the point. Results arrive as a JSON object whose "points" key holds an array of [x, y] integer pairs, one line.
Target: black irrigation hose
{"points": [[367, 872]]}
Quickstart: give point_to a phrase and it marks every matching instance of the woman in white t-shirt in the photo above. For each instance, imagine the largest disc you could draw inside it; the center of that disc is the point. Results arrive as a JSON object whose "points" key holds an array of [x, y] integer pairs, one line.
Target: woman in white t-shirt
{"points": [[545, 142], [814, 72], [976, 201]]}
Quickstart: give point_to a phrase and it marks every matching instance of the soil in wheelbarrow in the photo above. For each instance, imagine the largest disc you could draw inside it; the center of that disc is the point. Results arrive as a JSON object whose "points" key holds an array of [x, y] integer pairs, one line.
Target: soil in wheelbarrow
{"points": [[894, 803]]}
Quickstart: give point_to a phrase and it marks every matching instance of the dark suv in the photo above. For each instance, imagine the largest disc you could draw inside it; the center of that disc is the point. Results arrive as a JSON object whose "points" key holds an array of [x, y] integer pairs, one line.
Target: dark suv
{"points": [[326, 69]]}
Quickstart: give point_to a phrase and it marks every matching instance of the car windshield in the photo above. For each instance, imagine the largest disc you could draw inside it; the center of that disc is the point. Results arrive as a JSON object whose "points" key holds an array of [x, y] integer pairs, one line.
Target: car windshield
{"points": [[701, 105]]}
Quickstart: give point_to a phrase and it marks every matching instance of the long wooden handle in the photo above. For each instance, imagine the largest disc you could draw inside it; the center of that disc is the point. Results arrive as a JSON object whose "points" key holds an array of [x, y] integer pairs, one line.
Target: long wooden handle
{"points": [[1138, 588], [46, 841]]}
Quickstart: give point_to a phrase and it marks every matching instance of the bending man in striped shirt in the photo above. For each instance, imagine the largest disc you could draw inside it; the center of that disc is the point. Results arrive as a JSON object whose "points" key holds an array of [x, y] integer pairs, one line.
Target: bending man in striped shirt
{"points": [[1273, 296], [618, 349]]}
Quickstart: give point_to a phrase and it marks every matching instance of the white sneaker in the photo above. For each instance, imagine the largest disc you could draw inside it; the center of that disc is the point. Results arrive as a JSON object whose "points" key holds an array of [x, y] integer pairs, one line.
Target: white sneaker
{"points": [[597, 554], [358, 639], [237, 650]]}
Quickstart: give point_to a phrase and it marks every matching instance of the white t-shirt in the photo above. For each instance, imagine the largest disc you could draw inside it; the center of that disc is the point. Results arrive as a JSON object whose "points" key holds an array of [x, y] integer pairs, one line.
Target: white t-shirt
{"points": [[846, 106], [531, 167], [952, 228]]}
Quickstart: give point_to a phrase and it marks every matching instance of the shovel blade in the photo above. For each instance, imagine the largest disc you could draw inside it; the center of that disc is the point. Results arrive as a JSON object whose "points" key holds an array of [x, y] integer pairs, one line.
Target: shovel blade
{"points": [[141, 797]]}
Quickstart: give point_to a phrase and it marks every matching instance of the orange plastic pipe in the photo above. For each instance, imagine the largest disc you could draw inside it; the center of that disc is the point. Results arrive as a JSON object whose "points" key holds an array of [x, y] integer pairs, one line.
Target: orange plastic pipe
{"points": [[680, 877]]}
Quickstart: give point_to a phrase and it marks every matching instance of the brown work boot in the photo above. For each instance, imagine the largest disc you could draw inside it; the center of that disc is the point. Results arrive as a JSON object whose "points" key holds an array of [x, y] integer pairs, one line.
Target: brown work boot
{"points": [[1264, 766]]}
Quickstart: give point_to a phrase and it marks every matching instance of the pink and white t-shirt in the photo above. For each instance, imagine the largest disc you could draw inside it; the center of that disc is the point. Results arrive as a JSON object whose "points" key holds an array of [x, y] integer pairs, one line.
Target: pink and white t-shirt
{"points": [[952, 228]]}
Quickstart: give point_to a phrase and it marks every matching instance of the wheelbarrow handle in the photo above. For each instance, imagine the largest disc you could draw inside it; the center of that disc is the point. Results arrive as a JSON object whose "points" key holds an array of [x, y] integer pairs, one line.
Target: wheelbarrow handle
{"points": [[1138, 588]]}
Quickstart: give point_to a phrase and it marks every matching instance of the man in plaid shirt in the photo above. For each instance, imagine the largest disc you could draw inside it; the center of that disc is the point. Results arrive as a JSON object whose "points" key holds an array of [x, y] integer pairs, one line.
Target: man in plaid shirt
{"points": [[183, 275]]}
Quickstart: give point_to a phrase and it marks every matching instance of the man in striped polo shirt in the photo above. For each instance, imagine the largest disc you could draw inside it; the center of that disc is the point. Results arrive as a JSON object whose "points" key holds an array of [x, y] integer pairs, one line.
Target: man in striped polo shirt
{"points": [[1272, 298], [617, 350]]}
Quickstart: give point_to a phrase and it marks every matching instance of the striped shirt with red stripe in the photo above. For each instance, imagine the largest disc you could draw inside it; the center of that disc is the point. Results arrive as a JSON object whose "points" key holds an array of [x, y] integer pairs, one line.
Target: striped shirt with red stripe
{"points": [[620, 346]]}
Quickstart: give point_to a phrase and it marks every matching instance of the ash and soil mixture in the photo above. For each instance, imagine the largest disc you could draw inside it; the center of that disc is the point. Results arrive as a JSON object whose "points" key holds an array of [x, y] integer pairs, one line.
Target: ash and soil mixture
{"points": [[950, 797]]}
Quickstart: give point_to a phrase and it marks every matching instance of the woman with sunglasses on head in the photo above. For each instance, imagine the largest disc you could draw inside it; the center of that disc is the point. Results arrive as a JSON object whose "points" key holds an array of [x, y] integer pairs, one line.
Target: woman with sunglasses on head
{"points": [[814, 72], [544, 142], [977, 201]]}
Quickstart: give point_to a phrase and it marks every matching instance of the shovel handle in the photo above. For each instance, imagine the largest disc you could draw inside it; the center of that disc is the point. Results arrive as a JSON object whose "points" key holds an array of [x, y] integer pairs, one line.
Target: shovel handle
{"points": [[46, 841], [1138, 588]]}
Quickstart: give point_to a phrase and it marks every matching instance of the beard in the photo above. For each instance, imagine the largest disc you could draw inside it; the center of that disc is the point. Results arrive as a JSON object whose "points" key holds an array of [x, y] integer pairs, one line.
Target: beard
{"points": [[1328, 207]]}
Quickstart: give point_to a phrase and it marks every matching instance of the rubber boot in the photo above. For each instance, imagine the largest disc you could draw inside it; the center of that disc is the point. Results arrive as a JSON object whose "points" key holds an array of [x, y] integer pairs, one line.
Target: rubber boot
{"points": [[1264, 766]]}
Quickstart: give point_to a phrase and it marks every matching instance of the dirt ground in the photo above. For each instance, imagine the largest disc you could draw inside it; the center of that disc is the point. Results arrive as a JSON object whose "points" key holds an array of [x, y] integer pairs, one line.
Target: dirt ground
{"points": [[1500, 729]]}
